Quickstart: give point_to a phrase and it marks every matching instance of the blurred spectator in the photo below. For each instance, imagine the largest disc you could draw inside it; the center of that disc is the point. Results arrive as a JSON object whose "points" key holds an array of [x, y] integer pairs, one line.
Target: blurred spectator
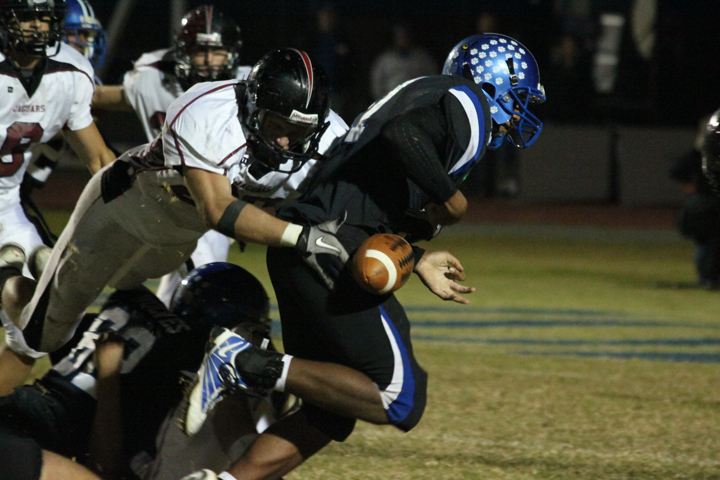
{"points": [[699, 217], [332, 52], [487, 22], [402, 62], [568, 76]]}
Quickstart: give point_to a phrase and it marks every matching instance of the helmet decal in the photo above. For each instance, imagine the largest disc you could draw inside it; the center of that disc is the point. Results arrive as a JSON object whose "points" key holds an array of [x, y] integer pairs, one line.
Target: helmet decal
{"points": [[308, 71]]}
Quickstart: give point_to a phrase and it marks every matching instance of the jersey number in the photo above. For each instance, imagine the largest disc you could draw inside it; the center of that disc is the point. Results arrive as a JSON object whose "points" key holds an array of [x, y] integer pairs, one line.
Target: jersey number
{"points": [[18, 139]]}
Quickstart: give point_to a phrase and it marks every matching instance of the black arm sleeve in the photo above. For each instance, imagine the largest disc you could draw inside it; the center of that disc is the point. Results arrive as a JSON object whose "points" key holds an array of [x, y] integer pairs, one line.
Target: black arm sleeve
{"points": [[416, 140]]}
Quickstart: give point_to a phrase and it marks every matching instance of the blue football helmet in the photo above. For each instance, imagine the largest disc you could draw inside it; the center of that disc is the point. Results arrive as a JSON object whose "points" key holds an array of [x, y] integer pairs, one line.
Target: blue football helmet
{"points": [[80, 21], [223, 294], [32, 43], [508, 74]]}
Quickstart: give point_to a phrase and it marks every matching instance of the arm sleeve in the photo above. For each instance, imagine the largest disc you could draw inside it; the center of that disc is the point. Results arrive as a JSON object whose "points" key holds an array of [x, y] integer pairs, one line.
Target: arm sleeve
{"points": [[80, 116], [415, 139]]}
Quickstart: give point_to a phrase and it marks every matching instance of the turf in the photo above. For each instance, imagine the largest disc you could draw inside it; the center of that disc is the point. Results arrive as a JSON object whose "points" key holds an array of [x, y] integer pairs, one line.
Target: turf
{"points": [[578, 358]]}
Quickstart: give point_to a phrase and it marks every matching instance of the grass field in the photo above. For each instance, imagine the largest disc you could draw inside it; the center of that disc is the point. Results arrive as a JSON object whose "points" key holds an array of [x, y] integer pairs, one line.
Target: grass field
{"points": [[576, 359]]}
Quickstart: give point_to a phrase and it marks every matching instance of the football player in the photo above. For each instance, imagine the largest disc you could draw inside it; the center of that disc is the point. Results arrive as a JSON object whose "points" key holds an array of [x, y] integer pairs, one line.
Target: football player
{"points": [[135, 352], [224, 146], [408, 152], [83, 32], [46, 89], [207, 48]]}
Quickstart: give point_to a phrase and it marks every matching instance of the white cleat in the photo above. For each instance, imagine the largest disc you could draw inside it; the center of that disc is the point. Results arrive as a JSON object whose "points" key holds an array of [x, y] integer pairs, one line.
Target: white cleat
{"points": [[216, 378], [204, 474]]}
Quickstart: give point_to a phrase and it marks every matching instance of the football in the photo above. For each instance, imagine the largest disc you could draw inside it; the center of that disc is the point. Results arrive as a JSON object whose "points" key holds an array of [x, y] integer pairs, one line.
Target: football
{"points": [[383, 263]]}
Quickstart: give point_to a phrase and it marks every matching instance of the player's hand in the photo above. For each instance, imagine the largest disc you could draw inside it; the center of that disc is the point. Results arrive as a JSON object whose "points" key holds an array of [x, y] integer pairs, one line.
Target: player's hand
{"points": [[109, 349], [322, 251], [440, 272]]}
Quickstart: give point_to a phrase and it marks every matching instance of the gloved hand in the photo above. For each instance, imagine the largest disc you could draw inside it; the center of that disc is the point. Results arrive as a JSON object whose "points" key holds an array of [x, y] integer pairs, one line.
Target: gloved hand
{"points": [[322, 251]]}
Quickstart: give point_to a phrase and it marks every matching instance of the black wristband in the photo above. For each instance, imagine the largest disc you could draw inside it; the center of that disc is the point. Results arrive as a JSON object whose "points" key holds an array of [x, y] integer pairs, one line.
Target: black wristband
{"points": [[226, 224], [418, 253]]}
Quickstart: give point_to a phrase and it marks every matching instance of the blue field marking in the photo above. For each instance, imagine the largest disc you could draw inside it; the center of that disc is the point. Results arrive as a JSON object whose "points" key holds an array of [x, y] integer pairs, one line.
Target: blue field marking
{"points": [[664, 356], [513, 311], [656, 342], [552, 323]]}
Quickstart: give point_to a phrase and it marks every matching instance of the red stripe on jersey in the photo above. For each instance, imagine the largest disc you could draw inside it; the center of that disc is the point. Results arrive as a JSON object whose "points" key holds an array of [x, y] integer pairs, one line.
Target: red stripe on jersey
{"points": [[309, 71], [232, 153], [198, 97], [177, 142]]}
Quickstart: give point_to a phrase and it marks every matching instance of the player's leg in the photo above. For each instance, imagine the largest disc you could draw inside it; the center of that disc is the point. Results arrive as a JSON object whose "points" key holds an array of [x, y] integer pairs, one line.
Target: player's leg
{"points": [[351, 357], [353, 349], [21, 458], [280, 449], [56, 467], [14, 369], [19, 237], [91, 250], [211, 247]]}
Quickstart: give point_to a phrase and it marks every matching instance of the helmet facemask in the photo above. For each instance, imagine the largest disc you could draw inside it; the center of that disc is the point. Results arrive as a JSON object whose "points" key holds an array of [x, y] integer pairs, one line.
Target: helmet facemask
{"points": [[266, 126], [33, 42], [283, 108], [206, 34]]}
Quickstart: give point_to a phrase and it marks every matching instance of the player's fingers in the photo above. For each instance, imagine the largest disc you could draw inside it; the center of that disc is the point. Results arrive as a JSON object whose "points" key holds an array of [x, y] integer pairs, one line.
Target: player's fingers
{"points": [[462, 288], [455, 274], [454, 262]]}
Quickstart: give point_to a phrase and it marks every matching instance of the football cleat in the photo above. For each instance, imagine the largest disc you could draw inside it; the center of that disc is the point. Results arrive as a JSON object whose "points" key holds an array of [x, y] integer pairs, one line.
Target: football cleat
{"points": [[38, 259], [204, 474], [12, 255], [216, 378]]}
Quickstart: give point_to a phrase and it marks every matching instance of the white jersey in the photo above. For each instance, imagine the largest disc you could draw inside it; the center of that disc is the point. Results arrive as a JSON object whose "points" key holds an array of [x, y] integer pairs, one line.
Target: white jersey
{"points": [[62, 98], [152, 86], [202, 130]]}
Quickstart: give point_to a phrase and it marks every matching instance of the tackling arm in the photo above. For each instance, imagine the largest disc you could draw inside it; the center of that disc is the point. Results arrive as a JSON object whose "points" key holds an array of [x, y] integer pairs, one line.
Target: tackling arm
{"points": [[213, 195], [89, 145]]}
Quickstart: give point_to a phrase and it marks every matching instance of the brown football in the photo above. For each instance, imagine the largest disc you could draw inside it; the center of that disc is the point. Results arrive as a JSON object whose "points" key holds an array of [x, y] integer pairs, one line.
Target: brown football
{"points": [[383, 263]]}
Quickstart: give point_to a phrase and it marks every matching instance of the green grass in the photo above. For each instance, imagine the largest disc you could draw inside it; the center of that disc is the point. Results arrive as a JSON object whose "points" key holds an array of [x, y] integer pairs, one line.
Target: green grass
{"points": [[566, 365]]}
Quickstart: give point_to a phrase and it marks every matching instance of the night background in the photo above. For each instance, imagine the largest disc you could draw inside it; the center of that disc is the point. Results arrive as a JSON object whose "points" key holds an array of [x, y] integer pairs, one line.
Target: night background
{"points": [[677, 85]]}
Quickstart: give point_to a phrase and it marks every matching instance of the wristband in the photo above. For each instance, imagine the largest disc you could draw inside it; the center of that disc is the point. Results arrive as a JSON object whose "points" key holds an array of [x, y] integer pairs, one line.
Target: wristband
{"points": [[290, 235]]}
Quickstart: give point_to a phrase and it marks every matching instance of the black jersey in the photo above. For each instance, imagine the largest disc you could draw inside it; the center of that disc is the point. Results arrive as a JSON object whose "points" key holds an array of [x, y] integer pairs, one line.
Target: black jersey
{"points": [[413, 146], [58, 410]]}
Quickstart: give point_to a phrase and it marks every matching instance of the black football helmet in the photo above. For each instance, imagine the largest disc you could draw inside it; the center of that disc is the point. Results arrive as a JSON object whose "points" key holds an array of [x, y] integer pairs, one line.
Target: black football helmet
{"points": [[32, 43], [206, 27], [286, 94], [711, 152], [223, 294]]}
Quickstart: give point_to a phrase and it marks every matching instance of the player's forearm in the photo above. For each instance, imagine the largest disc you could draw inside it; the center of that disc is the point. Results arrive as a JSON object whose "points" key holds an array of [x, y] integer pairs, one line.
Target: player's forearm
{"points": [[102, 158], [110, 97], [247, 223]]}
